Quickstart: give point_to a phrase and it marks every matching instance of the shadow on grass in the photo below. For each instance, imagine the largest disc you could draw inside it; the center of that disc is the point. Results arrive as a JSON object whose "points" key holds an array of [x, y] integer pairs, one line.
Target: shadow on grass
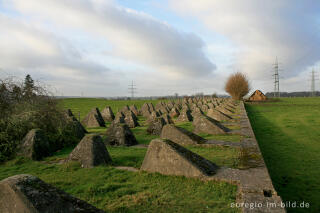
{"points": [[127, 156], [283, 157]]}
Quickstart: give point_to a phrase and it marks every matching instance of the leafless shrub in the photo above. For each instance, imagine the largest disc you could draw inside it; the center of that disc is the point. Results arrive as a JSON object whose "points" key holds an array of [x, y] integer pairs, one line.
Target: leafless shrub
{"points": [[237, 85]]}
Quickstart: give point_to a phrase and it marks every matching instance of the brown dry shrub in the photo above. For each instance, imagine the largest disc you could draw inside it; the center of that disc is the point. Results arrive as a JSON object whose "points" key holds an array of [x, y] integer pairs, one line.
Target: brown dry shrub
{"points": [[237, 85]]}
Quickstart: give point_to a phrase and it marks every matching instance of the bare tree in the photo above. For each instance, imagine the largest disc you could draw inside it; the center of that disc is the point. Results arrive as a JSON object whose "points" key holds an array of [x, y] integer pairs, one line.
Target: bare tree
{"points": [[237, 85]]}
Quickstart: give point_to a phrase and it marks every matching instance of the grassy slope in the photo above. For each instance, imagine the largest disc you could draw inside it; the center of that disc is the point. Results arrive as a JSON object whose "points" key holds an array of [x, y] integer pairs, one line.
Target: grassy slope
{"points": [[288, 133]]}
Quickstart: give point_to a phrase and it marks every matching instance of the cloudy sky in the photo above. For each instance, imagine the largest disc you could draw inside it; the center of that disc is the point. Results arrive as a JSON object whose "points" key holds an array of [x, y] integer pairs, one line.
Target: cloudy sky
{"points": [[98, 47]]}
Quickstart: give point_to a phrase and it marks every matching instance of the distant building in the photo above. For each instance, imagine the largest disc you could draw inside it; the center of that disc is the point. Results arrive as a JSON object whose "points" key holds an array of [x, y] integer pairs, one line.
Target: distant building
{"points": [[257, 96]]}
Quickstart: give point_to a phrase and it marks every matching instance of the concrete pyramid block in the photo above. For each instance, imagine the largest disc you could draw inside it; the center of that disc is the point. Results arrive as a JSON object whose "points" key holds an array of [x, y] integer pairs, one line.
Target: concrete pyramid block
{"points": [[224, 110], [167, 119], [159, 105], [204, 108], [119, 118], [153, 115], [144, 107], [180, 136], [35, 145], [130, 119], [90, 152], [217, 115], [169, 158], [164, 110], [185, 107], [231, 106], [151, 107], [170, 104], [77, 127], [146, 113], [125, 109], [174, 112], [155, 126], [93, 119], [185, 115], [210, 105], [196, 112], [204, 124], [120, 135], [107, 114], [28, 194], [228, 107], [134, 109]]}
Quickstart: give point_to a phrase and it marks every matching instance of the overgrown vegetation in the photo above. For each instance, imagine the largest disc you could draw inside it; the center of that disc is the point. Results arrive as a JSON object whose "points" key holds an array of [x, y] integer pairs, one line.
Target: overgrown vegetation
{"points": [[25, 106], [237, 85]]}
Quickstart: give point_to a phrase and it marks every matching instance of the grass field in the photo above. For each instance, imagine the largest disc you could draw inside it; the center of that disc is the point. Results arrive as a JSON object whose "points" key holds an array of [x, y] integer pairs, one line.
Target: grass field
{"points": [[122, 191], [84, 105], [288, 133], [225, 137]]}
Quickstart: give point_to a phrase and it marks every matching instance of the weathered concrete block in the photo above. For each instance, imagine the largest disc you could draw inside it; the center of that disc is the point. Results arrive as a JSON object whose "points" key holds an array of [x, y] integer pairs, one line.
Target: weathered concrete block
{"points": [[120, 135], [204, 124], [169, 158], [180, 135], [93, 119], [90, 152], [35, 145], [28, 194]]}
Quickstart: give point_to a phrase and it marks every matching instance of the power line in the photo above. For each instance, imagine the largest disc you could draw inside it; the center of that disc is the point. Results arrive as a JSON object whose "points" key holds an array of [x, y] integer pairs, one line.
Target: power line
{"points": [[276, 82], [132, 89], [313, 82]]}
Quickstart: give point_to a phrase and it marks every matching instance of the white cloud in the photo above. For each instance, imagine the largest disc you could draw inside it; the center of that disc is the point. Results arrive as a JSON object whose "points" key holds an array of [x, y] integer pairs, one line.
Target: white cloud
{"points": [[27, 49], [262, 30], [133, 35], [98, 47], [21, 44]]}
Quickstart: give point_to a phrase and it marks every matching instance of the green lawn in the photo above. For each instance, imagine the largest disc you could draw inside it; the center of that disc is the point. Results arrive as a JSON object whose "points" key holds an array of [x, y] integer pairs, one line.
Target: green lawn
{"points": [[84, 105], [123, 191], [139, 132], [221, 156], [133, 156], [288, 133], [225, 137]]}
